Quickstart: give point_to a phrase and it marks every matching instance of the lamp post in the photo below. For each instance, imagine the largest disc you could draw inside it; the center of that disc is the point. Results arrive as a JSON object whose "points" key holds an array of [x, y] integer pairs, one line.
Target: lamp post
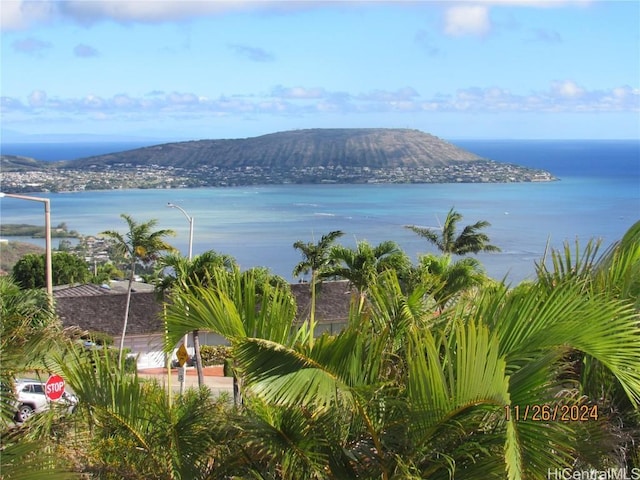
{"points": [[190, 218], [47, 236], [186, 336]]}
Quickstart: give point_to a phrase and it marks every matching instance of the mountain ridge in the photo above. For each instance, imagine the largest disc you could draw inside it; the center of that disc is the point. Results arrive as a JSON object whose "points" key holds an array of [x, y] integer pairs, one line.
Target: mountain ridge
{"points": [[362, 147], [362, 155]]}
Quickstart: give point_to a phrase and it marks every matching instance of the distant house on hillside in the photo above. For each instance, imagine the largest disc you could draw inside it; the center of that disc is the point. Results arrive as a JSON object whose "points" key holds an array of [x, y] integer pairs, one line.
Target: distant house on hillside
{"points": [[101, 309]]}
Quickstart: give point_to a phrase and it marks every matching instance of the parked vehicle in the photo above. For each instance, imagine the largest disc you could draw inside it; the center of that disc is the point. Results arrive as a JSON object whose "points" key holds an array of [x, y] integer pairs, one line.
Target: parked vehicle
{"points": [[31, 398]]}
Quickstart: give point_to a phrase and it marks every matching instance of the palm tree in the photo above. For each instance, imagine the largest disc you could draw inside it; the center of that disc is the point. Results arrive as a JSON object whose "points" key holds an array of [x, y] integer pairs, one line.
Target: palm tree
{"points": [[140, 244], [235, 305], [315, 260], [30, 333], [28, 323], [124, 426], [400, 393], [185, 274], [470, 240], [446, 279], [484, 391], [452, 403], [362, 265], [613, 274]]}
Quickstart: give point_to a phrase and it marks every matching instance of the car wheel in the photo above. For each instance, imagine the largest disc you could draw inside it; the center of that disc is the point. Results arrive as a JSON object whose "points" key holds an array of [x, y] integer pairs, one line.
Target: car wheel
{"points": [[24, 412]]}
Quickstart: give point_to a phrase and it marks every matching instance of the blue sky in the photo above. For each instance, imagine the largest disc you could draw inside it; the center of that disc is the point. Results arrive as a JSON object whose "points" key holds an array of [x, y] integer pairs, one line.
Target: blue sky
{"points": [[179, 70]]}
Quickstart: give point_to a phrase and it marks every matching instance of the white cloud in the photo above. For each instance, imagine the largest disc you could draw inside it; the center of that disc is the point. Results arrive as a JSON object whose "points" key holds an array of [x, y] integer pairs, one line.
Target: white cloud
{"points": [[176, 98], [144, 11], [400, 95], [93, 102], [124, 101], [20, 14], [467, 20], [462, 17], [567, 89], [298, 92], [563, 96], [474, 17], [38, 98], [23, 14]]}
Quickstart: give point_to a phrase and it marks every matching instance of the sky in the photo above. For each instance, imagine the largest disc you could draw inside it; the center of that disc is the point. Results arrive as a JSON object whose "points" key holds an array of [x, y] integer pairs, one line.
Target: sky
{"points": [[185, 70]]}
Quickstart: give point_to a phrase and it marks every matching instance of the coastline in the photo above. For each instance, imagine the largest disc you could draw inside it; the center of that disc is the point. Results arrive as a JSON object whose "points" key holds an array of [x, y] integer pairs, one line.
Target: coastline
{"points": [[596, 196], [156, 177]]}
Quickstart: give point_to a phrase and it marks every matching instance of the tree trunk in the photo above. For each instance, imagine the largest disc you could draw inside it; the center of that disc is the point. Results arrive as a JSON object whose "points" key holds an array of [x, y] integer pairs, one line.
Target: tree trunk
{"points": [[126, 311], [198, 357], [237, 395], [312, 321]]}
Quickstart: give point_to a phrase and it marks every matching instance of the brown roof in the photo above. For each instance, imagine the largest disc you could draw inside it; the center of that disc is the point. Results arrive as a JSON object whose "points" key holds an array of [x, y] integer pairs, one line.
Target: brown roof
{"points": [[104, 311], [333, 300], [95, 308], [88, 290]]}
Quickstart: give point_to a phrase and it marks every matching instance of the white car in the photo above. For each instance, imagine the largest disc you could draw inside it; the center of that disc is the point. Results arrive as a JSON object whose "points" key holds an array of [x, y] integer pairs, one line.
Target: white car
{"points": [[31, 398]]}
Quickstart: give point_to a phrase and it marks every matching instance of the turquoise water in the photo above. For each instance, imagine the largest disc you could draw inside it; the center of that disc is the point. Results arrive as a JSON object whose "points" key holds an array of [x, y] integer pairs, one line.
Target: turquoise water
{"points": [[258, 225]]}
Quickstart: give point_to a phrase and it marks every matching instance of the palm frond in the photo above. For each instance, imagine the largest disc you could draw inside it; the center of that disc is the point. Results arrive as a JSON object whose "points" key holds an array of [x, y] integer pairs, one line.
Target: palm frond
{"points": [[285, 376], [234, 305], [290, 441], [457, 387], [618, 269], [28, 460]]}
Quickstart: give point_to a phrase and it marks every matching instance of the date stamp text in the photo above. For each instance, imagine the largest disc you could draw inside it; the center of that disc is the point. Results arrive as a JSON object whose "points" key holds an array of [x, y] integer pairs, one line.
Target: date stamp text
{"points": [[551, 413]]}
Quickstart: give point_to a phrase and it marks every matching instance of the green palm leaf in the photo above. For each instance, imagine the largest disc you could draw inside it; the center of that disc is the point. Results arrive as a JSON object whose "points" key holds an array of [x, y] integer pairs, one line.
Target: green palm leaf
{"points": [[285, 376], [288, 442], [456, 386], [235, 306]]}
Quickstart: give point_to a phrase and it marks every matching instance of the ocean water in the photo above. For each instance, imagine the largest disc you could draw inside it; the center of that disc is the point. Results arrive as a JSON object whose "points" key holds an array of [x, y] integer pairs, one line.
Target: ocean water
{"points": [[55, 151], [597, 196]]}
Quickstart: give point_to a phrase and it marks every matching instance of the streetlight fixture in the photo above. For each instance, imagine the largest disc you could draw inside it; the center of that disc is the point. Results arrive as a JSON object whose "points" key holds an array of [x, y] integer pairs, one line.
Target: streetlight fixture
{"points": [[47, 236], [190, 218]]}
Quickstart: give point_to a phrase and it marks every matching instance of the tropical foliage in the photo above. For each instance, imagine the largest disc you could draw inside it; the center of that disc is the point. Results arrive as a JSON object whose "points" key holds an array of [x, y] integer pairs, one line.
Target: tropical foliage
{"points": [[27, 321], [446, 279], [66, 268], [361, 265], [29, 333], [185, 273], [140, 244], [317, 260], [470, 240], [128, 430], [479, 381]]}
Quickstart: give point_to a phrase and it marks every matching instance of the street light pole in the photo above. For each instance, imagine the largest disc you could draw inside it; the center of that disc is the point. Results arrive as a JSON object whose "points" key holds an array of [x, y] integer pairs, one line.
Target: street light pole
{"points": [[190, 218], [186, 336], [47, 237]]}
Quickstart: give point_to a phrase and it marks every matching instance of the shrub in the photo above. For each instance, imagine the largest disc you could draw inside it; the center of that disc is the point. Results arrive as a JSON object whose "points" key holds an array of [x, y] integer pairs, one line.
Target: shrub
{"points": [[214, 354], [99, 338], [130, 364]]}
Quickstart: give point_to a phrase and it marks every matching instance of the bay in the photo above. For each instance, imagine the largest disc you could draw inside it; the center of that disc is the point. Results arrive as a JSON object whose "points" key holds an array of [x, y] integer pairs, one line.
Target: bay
{"points": [[598, 197]]}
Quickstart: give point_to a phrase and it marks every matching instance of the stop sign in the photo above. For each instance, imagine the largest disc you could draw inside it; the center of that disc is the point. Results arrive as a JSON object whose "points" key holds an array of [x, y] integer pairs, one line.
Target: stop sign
{"points": [[54, 388]]}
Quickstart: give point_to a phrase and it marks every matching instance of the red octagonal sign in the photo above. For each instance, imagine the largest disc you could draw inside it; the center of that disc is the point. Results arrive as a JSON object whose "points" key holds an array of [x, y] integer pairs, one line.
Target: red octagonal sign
{"points": [[54, 388]]}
